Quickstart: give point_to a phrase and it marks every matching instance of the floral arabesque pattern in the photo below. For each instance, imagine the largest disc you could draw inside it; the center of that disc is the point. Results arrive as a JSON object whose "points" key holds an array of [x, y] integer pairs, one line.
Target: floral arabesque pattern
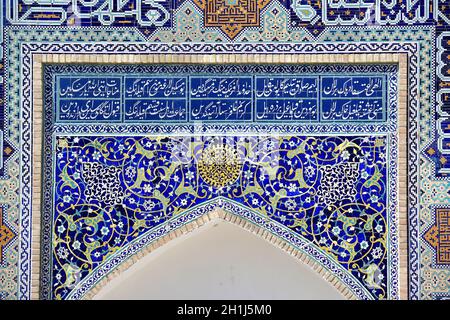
{"points": [[153, 179]]}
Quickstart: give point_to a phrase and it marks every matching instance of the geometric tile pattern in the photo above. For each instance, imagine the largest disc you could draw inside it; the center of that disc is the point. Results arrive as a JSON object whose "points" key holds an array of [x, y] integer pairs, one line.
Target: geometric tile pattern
{"points": [[421, 29]]}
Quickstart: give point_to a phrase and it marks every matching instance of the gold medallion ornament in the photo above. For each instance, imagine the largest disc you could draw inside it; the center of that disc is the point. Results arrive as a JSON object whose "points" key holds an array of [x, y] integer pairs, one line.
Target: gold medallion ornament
{"points": [[219, 165]]}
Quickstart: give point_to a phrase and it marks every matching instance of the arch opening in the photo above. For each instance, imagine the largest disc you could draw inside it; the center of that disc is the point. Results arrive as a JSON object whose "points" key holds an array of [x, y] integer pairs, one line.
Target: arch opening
{"points": [[219, 260]]}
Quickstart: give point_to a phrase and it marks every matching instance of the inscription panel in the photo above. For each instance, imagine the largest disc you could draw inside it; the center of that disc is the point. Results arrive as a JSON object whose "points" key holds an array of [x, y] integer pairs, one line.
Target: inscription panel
{"points": [[222, 98]]}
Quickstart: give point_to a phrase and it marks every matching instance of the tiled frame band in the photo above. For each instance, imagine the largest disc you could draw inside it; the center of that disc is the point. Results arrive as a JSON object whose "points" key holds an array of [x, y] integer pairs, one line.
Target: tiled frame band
{"points": [[366, 58]]}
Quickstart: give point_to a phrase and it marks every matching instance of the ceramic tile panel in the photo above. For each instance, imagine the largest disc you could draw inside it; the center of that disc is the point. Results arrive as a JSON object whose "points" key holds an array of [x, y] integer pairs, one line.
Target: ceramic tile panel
{"points": [[121, 123]]}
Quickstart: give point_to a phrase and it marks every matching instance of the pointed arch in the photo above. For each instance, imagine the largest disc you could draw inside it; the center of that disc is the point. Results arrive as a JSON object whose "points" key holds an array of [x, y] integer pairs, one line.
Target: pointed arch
{"points": [[218, 260], [220, 208]]}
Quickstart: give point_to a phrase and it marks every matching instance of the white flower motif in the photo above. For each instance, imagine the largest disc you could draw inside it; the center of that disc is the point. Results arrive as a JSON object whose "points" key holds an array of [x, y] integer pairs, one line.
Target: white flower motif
{"points": [[104, 230], [292, 187], [63, 253], [345, 155], [290, 204], [67, 198], [189, 175], [149, 205], [76, 245], [61, 229], [130, 171], [374, 198], [309, 171], [364, 245], [379, 228]]}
